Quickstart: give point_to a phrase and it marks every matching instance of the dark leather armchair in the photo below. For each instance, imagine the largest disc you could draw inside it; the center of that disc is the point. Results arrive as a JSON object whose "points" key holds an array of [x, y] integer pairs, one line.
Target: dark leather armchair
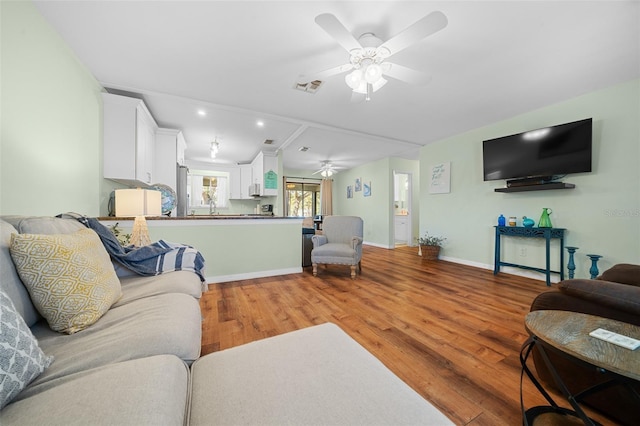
{"points": [[616, 295]]}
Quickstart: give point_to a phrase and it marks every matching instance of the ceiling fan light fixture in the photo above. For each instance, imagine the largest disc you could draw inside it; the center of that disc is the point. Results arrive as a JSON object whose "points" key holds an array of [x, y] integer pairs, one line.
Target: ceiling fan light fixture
{"points": [[215, 147], [373, 73], [354, 79], [326, 173]]}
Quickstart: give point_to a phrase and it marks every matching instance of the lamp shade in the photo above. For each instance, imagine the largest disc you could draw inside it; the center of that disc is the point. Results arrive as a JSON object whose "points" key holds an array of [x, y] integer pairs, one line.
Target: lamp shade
{"points": [[138, 202]]}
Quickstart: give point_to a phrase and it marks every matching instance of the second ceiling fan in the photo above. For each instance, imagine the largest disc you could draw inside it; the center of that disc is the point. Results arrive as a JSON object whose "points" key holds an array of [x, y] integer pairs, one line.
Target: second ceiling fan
{"points": [[368, 54]]}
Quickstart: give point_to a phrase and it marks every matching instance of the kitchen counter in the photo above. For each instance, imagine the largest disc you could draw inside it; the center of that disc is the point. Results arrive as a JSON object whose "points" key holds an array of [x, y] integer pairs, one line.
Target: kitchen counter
{"points": [[235, 247], [199, 217]]}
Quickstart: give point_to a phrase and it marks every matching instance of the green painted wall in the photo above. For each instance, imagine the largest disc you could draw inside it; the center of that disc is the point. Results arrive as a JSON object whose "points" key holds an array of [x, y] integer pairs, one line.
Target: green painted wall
{"points": [[50, 152], [602, 214], [375, 210]]}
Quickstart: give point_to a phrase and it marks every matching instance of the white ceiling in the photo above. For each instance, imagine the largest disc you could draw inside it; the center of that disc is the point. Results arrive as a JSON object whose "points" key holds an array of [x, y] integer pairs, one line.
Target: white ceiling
{"points": [[239, 61]]}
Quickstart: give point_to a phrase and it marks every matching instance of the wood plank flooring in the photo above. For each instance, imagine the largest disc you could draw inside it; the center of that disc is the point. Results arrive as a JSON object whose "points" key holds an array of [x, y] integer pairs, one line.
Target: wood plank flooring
{"points": [[452, 332]]}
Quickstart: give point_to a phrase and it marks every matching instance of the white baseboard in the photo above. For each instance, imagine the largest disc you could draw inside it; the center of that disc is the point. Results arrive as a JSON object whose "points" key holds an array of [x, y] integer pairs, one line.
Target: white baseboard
{"points": [[252, 275], [506, 269], [377, 245]]}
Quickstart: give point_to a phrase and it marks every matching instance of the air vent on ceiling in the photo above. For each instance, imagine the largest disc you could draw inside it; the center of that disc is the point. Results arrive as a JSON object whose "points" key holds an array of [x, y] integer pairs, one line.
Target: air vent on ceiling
{"points": [[268, 141], [311, 87]]}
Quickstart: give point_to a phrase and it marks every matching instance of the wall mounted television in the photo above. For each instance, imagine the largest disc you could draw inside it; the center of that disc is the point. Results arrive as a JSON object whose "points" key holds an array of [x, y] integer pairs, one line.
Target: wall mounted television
{"points": [[539, 156]]}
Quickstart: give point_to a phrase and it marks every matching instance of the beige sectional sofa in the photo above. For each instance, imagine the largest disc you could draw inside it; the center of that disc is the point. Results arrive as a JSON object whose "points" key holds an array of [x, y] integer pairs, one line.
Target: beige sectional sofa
{"points": [[139, 364], [129, 367]]}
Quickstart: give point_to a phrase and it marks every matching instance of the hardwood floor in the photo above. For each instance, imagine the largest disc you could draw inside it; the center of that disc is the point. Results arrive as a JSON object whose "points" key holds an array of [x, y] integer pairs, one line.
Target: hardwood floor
{"points": [[452, 332]]}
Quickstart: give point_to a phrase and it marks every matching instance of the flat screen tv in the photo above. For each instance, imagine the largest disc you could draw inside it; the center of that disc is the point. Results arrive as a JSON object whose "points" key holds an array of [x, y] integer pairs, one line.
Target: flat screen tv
{"points": [[542, 153]]}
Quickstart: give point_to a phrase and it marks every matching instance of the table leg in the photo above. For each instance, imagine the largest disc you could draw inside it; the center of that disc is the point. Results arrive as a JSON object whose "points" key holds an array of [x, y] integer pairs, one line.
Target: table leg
{"points": [[561, 258], [547, 238], [496, 255]]}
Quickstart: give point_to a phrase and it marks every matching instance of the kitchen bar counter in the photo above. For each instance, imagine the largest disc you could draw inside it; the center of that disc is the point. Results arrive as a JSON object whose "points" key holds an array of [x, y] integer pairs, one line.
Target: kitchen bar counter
{"points": [[235, 247], [201, 217]]}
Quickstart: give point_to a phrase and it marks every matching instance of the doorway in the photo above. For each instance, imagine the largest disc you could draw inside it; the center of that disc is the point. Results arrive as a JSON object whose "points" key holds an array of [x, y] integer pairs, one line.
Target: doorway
{"points": [[402, 219]]}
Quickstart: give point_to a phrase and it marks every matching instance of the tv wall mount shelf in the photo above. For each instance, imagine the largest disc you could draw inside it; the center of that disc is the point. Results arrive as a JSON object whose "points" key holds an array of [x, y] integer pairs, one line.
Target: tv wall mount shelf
{"points": [[536, 187]]}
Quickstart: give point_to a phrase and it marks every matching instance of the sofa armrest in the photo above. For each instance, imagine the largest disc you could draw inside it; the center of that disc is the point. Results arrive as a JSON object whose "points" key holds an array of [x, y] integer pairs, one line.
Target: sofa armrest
{"points": [[624, 273], [614, 295], [605, 299]]}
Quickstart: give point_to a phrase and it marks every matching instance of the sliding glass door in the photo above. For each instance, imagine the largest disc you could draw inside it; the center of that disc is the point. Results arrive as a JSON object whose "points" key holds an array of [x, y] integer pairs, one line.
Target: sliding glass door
{"points": [[302, 198]]}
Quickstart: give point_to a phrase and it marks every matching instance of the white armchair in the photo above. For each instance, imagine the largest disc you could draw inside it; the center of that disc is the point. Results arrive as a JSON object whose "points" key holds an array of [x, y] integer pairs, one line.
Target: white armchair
{"points": [[340, 244]]}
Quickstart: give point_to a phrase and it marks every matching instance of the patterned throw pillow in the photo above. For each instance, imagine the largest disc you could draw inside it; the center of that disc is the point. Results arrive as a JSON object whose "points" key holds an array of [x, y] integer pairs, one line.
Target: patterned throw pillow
{"points": [[21, 359], [70, 277]]}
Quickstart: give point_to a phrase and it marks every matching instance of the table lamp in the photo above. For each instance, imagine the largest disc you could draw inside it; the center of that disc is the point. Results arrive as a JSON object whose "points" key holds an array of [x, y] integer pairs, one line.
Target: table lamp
{"points": [[138, 203]]}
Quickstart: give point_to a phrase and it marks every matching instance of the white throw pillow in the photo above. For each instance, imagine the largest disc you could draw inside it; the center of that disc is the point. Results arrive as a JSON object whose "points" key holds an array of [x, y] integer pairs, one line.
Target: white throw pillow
{"points": [[21, 359]]}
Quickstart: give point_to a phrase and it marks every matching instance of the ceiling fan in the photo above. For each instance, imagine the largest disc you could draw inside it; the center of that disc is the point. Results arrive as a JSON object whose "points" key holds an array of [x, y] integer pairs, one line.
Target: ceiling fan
{"points": [[327, 169], [368, 54]]}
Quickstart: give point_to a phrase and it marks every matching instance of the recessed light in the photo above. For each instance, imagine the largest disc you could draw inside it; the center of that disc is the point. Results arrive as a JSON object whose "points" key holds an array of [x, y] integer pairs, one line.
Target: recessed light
{"points": [[202, 112], [260, 123]]}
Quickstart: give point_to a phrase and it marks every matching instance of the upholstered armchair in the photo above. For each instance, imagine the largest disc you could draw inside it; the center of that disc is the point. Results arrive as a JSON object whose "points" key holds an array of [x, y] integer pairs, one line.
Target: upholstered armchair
{"points": [[340, 244]]}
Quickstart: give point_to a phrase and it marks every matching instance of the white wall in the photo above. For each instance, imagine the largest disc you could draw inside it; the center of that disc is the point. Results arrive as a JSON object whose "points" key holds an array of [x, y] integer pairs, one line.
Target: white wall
{"points": [[601, 215]]}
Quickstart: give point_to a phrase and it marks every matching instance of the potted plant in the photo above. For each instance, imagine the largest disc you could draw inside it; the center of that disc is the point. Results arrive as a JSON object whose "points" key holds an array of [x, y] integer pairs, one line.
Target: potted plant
{"points": [[430, 246]]}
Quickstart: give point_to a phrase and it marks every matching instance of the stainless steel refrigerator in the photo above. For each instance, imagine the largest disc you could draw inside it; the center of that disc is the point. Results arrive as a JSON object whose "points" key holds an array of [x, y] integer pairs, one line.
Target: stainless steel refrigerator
{"points": [[182, 192]]}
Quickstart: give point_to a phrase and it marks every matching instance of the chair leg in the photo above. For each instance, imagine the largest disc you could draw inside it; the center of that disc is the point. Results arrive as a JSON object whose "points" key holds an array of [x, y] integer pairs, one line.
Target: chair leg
{"points": [[353, 272], [315, 269], [360, 266]]}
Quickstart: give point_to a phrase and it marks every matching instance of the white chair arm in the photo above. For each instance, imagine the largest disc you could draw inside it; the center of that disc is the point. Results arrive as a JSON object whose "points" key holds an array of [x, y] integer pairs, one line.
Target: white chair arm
{"points": [[318, 240], [355, 242]]}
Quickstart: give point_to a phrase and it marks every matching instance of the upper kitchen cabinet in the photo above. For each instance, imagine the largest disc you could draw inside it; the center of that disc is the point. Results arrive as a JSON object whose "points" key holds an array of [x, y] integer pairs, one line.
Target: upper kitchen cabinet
{"points": [[129, 136], [240, 179], [169, 149], [265, 173]]}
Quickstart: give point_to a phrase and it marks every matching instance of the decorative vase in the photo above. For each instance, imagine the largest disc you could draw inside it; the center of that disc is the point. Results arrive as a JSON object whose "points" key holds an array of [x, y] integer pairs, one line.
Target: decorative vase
{"points": [[545, 220], [502, 221], [430, 252], [527, 222]]}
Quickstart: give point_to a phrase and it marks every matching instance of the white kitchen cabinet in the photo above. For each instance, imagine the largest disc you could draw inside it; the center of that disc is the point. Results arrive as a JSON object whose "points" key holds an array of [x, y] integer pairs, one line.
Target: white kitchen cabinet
{"points": [[169, 149], [241, 177], [129, 137], [265, 163], [246, 178], [235, 187]]}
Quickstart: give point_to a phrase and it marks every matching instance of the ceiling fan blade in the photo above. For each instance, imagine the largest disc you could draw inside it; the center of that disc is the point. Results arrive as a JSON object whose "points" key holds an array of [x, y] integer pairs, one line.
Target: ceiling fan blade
{"points": [[335, 29], [405, 74], [430, 24], [321, 75]]}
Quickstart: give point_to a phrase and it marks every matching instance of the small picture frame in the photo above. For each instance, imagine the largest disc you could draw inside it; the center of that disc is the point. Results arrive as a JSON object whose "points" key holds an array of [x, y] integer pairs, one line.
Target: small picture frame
{"points": [[367, 189], [350, 191], [358, 187]]}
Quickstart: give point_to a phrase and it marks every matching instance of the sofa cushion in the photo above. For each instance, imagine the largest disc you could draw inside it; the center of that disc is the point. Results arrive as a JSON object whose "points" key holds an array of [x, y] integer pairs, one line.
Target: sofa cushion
{"points": [[623, 273], [21, 359], [138, 287], [10, 282], [163, 324], [621, 297], [43, 224], [69, 277], [317, 375], [149, 391]]}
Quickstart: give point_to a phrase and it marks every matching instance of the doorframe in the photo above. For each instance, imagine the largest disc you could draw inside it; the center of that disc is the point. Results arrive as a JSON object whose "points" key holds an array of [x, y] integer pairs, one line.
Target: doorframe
{"points": [[409, 231]]}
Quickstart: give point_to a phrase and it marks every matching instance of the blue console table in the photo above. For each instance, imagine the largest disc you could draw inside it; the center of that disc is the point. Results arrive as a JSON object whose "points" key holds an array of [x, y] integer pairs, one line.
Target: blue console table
{"points": [[521, 231]]}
